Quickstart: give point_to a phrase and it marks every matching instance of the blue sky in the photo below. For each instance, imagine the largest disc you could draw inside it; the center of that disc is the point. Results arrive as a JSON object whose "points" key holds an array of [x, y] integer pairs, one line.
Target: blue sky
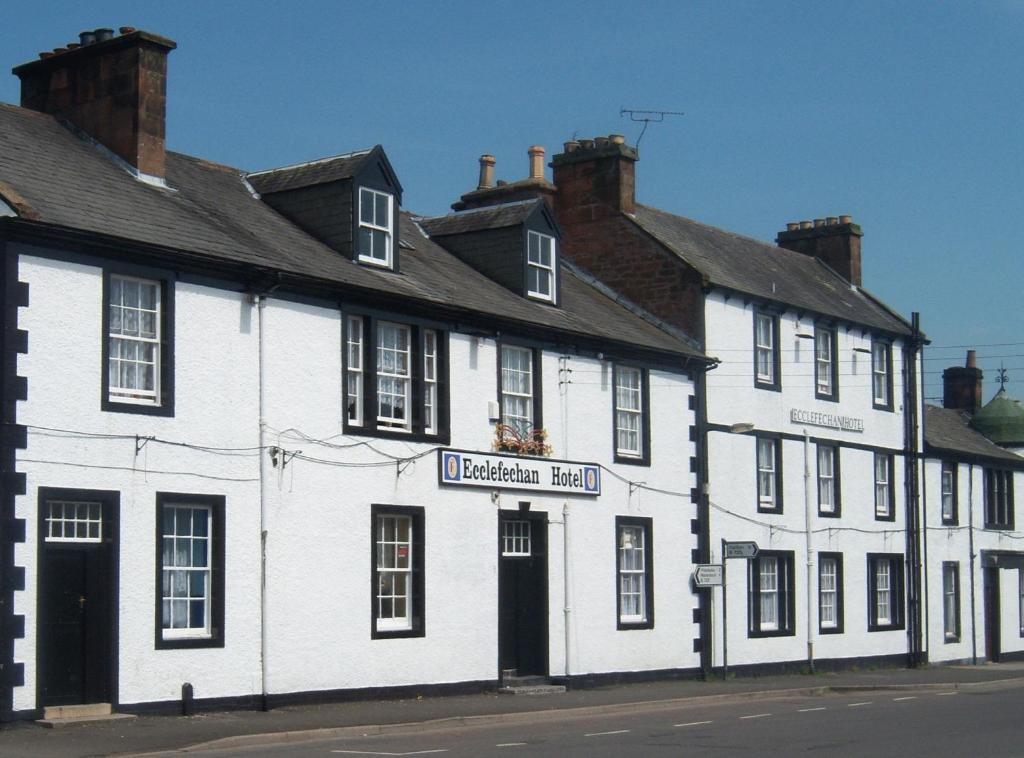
{"points": [[905, 115]]}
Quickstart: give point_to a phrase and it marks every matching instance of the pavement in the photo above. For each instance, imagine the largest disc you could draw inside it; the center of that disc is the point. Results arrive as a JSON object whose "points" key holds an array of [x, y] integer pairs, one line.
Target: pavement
{"points": [[239, 729]]}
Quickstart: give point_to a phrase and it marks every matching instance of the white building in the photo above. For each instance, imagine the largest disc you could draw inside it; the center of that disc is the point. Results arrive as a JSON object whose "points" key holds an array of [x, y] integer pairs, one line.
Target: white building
{"points": [[250, 421]]}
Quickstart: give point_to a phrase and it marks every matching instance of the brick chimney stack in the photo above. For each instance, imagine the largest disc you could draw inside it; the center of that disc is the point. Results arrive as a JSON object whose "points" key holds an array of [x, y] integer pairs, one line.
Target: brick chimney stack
{"points": [[961, 386], [834, 240], [595, 178], [489, 192], [112, 87]]}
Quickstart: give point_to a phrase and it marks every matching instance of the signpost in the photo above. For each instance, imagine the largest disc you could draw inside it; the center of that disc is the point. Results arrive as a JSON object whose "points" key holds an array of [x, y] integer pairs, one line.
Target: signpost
{"points": [[709, 574], [746, 550]]}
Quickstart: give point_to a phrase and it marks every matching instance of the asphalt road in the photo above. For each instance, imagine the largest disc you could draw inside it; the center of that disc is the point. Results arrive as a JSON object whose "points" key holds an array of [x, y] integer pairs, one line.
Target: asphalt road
{"points": [[906, 724]]}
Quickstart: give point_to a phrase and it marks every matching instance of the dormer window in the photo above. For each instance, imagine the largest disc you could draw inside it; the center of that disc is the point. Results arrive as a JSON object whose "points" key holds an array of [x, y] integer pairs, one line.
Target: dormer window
{"points": [[540, 266], [375, 227]]}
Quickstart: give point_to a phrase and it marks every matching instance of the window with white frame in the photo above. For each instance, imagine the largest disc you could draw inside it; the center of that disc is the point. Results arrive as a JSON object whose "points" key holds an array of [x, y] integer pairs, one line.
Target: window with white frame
{"points": [[540, 266], [828, 481], [770, 587], [354, 370], [134, 334], [69, 521], [881, 374], [635, 589], [515, 538], [884, 493], [429, 381], [825, 364], [830, 600], [517, 399], [398, 571], [948, 490], [951, 601], [769, 491], [766, 350], [190, 591], [629, 412], [375, 227], [885, 595], [394, 380]]}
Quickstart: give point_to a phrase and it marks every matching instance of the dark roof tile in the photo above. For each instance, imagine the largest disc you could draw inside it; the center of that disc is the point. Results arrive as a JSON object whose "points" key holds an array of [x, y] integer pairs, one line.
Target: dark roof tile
{"points": [[947, 429]]}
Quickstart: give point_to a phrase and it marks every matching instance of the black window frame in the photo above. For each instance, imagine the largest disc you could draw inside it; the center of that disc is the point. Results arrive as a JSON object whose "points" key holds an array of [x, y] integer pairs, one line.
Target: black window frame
{"points": [[946, 636], [647, 525], [833, 337], [887, 345], [840, 600], [954, 518], [890, 463], [369, 426], [896, 588], [217, 505], [775, 384], [166, 280], [836, 512], [787, 594], [999, 501], [418, 626], [777, 443], [538, 384], [644, 459]]}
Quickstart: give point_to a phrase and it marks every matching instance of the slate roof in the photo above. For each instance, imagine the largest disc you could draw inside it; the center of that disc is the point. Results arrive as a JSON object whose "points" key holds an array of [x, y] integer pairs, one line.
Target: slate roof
{"points": [[64, 180], [946, 429], [766, 271], [480, 219], [306, 174]]}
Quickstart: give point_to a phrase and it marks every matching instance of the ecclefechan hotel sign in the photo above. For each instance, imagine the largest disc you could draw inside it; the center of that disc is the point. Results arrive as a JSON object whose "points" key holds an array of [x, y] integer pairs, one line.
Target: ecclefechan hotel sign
{"points": [[827, 420], [465, 468]]}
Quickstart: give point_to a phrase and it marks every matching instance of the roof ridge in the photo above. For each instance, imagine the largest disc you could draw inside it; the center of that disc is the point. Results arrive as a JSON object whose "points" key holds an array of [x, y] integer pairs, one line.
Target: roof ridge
{"points": [[471, 211], [313, 162]]}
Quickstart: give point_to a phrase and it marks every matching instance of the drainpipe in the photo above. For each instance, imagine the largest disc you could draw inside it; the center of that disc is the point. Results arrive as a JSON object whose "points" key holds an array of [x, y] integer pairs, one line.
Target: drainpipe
{"points": [[261, 302], [970, 553], [808, 551], [702, 492], [912, 493], [567, 608]]}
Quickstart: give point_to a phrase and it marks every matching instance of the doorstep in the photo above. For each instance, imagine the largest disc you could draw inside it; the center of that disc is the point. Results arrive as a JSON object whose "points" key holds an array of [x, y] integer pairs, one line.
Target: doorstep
{"points": [[70, 715]]}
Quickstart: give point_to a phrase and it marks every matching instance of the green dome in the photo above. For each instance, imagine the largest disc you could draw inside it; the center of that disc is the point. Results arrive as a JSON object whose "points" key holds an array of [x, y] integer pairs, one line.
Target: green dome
{"points": [[1001, 420]]}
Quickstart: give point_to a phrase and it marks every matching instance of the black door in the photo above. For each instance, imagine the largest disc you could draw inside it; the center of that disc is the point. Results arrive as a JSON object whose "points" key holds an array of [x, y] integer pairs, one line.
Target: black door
{"points": [[523, 593], [992, 615], [75, 599]]}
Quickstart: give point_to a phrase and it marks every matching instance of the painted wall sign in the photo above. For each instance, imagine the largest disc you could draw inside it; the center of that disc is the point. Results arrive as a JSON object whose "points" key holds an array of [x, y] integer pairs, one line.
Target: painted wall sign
{"points": [[471, 469], [828, 420]]}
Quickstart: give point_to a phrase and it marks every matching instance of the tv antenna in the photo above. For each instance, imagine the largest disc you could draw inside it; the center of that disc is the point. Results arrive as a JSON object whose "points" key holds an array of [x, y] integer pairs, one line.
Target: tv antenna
{"points": [[647, 117]]}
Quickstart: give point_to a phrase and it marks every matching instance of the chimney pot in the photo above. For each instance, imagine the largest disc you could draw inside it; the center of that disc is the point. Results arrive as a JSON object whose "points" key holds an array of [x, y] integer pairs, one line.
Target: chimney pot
{"points": [[972, 359], [126, 29], [833, 243], [819, 222], [46, 54], [86, 38], [102, 35], [73, 45], [536, 153], [587, 144], [570, 146], [832, 220], [486, 172], [792, 226], [961, 386], [805, 224], [846, 219], [617, 139], [59, 50], [601, 141]]}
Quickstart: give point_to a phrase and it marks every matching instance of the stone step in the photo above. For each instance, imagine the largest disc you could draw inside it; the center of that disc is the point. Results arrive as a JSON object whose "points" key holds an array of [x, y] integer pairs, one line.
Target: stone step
{"points": [[81, 720], [77, 711], [532, 689]]}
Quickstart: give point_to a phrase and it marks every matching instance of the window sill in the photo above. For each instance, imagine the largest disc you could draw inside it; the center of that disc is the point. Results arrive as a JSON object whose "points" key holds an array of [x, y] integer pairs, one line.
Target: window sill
{"points": [[886, 627], [887, 407], [950, 639], [111, 405], [769, 386], [830, 630], [763, 508], [632, 460], [395, 634], [628, 626], [186, 643], [752, 633], [441, 438], [829, 514], [890, 517]]}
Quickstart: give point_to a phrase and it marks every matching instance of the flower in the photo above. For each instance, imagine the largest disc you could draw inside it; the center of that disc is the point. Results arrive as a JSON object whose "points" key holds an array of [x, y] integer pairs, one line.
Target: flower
{"points": [[508, 439]]}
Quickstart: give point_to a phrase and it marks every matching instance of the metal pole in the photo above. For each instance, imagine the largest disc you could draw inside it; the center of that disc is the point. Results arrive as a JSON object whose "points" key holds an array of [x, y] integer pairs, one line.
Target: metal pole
{"points": [[725, 619], [809, 553], [970, 553], [566, 608]]}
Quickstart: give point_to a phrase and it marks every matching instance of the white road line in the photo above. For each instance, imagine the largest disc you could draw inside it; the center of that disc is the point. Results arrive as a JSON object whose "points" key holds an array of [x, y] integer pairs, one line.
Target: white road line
{"points": [[810, 710], [908, 697], [695, 723], [510, 744], [756, 716], [370, 752], [945, 694], [854, 705], [602, 734]]}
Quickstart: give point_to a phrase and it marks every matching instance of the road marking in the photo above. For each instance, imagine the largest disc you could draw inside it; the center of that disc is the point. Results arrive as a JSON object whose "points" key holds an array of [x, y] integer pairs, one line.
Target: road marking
{"points": [[854, 705], [908, 697], [945, 694], [370, 752], [602, 734], [510, 744], [695, 723], [756, 716], [810, 710]]}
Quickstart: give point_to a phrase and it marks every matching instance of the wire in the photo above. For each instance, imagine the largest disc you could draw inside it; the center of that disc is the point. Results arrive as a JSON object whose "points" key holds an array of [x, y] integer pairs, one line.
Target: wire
{"points": [[137, 470]]}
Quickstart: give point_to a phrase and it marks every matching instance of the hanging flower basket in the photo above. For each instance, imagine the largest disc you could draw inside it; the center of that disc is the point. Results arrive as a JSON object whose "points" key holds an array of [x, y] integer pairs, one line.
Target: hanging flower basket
{"points": [[508, 439]]}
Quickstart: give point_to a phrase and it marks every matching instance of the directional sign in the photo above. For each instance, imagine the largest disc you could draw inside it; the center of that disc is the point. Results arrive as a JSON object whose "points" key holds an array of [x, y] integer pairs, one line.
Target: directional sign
{"points": [[741, 549], [708, 575]]}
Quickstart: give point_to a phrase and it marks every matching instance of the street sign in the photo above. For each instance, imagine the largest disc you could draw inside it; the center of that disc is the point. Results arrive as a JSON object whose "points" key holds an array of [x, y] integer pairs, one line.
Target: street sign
{"points": [[708, 575], [740, 549]]}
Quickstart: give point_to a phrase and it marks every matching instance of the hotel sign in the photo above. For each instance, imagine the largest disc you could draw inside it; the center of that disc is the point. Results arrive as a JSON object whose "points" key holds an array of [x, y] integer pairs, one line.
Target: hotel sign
{"points": [[827, 420], [465, 468]]}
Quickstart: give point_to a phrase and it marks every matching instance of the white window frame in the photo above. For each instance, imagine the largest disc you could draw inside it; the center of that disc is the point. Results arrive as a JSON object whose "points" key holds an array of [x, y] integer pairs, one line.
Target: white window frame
{"points": [[881, 373], [768, 585], [765, 341], [74, 521], [828, 592], [629, 411], [515, 538], [523, 423], [951, 601], [174, 598], [535, 266], [430, 381], [355, 374], [827, 489], [883, 467], [767, 473], [374, 197], [948, 490], [883, 592], [394, 622], [824, 363], [400, 379], [632, 574], [118, 339]]}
